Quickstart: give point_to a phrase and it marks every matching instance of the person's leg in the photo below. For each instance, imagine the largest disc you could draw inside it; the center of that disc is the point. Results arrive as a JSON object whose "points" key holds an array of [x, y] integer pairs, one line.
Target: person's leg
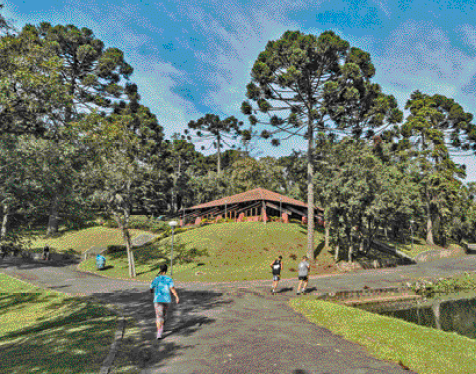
{"points": [[306, 281], [299, 286], [160, 310]]}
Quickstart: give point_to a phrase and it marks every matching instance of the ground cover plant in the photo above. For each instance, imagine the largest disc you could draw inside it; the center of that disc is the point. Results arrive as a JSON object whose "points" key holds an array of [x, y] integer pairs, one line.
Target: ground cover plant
{"points": [[463, 283], [48, 332], [223, 252], [421, 349]]}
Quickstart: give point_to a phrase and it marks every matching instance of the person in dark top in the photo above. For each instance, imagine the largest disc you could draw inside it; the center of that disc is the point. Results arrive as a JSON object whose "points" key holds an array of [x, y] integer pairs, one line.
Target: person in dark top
{"points": [[46, 253], [276, 267]]}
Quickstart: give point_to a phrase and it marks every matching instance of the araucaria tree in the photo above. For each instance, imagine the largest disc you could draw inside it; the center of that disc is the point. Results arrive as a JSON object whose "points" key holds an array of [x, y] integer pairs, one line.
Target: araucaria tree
{"points": [[211, 127], [436, 125], [122, 175], [307, 84], [91, 75]]}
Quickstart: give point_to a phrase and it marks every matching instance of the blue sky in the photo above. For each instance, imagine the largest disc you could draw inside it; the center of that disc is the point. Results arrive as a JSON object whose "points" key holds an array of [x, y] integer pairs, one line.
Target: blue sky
{"points": [[194, 57]]}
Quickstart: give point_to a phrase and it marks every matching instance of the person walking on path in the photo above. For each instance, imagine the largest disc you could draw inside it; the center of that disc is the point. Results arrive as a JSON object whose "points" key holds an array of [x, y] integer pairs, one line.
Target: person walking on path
{"points": [[161, 287], [276, 267], [303, 275]]}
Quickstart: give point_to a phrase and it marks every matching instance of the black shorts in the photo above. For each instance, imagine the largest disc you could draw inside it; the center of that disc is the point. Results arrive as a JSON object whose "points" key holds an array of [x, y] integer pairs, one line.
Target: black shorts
{"points": [[303, 277]]}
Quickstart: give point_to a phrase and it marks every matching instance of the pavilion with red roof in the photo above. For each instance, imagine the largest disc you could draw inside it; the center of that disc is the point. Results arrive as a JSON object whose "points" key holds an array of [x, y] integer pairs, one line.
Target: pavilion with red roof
{"points": [[256, 205]]}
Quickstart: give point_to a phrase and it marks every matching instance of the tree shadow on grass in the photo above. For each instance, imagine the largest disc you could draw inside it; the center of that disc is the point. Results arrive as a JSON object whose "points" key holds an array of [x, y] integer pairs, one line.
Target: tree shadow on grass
{"points": [[139, 348], [319, 249], [76, 341]]}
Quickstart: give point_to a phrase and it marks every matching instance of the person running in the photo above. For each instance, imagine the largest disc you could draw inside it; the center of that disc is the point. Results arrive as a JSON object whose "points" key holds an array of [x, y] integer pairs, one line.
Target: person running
{"points": [[161, 287], [303, 275], [276, 267]]}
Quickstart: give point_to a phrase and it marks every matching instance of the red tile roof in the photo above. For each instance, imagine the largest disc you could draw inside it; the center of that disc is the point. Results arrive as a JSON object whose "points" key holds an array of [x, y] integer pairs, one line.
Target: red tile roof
{"points": [[252, 195]]}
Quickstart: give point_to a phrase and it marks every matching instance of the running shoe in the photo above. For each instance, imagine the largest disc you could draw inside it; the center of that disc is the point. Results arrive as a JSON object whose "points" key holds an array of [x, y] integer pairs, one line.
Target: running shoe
{"points": [[159, 333]]}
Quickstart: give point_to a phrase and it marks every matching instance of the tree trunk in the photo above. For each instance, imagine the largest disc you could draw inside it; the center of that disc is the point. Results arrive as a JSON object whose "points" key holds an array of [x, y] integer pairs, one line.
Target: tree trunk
{"points": [[351, 245], [336, 254], [130, 254], [429, 226], [327, 227], [310, 192], [218, 155], [3, 232], [53, 219], [327, 235]]}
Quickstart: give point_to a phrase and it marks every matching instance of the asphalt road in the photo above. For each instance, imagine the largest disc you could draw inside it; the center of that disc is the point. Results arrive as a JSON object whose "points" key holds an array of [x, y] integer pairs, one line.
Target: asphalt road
{"points": [[238, 327]]}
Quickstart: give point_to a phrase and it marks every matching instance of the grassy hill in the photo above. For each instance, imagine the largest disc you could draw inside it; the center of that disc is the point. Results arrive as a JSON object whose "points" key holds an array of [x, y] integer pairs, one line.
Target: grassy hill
{"points": [[223, 252], [81, 240]]}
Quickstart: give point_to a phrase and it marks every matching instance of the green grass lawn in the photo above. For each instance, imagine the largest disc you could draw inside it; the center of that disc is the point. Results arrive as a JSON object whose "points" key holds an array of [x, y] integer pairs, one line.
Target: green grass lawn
{"points": [[422, 349], [230, 252], [81, 240], [47, 332]]}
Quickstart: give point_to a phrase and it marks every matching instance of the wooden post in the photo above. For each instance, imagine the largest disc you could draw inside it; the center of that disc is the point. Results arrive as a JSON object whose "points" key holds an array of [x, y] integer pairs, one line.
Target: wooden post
{"points": [[263, 211]]}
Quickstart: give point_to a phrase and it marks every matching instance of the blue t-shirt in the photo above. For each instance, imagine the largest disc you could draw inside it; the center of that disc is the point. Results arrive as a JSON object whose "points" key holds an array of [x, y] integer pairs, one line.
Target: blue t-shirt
{"points": [[162, 285]]}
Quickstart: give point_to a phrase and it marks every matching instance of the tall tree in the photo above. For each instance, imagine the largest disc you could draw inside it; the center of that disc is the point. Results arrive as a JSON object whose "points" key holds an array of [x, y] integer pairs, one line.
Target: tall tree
{"points": [[220, 132], [5, 24], [318, 83], [91, 75], [181, 157], [31, 89], [436, 125], [121, 175]]}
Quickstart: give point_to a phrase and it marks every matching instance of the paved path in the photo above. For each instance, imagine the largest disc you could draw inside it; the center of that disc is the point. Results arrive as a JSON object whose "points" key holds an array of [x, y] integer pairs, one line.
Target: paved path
{"points": [[238, 327]]}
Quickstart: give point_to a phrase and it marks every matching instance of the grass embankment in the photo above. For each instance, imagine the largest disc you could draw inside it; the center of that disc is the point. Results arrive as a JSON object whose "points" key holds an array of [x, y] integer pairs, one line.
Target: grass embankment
{"points": [[422, 349], [223, 252], [47, 332], [419, 246], [81, 240]]}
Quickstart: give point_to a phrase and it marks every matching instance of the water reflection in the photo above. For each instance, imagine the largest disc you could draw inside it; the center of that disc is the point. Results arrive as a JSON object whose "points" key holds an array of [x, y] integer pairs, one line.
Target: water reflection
{"points": [[448, 315]]}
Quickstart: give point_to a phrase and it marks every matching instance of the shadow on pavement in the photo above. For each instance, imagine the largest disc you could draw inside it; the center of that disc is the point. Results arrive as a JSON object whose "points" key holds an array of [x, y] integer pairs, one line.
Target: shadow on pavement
{"points": [[25, 263], [284, 290], [139, 347]]}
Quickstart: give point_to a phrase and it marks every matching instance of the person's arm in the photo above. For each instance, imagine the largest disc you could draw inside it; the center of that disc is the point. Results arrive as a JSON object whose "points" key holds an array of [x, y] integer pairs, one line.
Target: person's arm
{"points": [[271, 265], [172, 289]]}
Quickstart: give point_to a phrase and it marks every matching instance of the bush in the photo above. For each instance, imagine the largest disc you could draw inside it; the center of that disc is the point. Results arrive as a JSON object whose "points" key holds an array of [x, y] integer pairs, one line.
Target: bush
{"points": [[141, 223], [115, 249], [443, 286]]}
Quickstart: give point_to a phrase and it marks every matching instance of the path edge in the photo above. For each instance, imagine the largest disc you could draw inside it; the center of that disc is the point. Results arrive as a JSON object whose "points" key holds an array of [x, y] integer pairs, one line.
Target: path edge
{"points": [[118, 335]]}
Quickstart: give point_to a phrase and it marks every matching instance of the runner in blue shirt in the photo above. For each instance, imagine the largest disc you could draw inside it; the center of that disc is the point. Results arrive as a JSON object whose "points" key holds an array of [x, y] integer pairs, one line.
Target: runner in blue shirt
{"points": [[161, 287]]}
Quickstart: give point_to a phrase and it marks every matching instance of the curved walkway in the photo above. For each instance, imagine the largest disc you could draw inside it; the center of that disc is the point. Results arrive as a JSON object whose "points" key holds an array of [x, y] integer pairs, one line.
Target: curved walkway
{"points": [[237, 327]]}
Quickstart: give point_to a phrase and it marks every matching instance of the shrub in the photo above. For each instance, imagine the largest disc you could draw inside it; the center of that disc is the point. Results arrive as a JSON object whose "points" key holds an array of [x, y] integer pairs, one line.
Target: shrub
{"points": [[115, 249]]}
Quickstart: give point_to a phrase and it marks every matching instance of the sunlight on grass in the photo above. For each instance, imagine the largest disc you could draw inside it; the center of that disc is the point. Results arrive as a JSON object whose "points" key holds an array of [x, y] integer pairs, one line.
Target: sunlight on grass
{"points": [[82, 240], [47, 332], [422, 349], [229, 252]]}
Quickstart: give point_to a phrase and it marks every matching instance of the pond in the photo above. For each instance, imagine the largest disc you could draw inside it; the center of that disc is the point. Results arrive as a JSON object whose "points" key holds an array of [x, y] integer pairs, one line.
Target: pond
{"points": [[455, 315]]}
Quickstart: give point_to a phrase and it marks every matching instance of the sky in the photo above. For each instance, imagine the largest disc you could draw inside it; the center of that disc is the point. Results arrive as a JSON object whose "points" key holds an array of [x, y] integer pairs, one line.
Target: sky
{"points": [[194, 57]]}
